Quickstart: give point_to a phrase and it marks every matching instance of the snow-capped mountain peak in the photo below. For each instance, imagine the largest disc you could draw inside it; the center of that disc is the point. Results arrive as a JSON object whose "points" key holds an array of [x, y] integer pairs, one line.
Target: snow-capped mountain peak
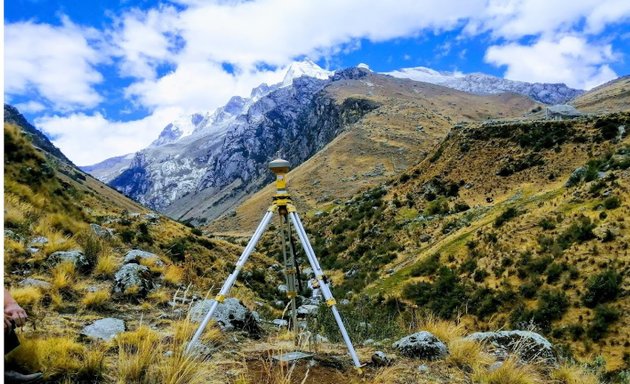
{"points": [[304, 68], [480, 83], [181, 127]]}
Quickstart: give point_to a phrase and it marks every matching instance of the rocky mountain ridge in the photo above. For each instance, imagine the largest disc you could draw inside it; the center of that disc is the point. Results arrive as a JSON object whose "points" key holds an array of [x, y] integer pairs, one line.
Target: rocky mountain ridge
{"points": [[480, 83]]}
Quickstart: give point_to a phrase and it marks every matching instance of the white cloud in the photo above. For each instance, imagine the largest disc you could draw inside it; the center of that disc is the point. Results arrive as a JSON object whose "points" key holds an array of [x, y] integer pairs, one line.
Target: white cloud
{"points": [[513, 19], [145, 40], [89, 138], [30, 107], [195, 38], [55, 62], [570, 60]]}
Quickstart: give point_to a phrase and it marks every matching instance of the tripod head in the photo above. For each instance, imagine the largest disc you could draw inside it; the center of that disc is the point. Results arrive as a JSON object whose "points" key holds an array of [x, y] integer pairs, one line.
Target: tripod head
{"points": [[280, 167]]}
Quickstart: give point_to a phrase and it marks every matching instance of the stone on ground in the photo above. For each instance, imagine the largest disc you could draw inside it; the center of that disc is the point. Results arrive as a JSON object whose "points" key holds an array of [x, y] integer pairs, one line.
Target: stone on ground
{"points": [[421, 345], [230, 315], [529, 346], [133, 280], [104, 329]]}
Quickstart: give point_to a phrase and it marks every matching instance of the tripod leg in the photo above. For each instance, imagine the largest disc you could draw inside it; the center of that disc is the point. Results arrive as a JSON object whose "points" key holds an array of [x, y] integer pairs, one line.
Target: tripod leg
{"points": [[232, 277], [319, 274], [289, 269]]}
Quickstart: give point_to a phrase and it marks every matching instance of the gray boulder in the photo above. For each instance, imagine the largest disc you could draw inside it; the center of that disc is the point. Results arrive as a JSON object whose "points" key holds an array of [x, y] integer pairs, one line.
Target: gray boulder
{"points": [[135, 255], [38, 242], [307, 310], [380, 359], [280, 323], [30, 282], [76, 257], [133, 279], [422, 345], [102, 232], [104, 329], [529, 346], [230, 315]]}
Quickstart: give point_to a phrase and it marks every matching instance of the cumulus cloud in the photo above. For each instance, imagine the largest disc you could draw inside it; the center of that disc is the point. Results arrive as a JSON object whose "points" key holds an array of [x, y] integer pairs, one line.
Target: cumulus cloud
{"points": [[175, 54], [570, 60], [56, 63], [89, 138]]}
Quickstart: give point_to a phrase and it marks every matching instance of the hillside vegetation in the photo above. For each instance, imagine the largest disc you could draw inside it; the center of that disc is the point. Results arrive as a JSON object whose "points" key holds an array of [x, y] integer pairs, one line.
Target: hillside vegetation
{"points": [[509, 225]]}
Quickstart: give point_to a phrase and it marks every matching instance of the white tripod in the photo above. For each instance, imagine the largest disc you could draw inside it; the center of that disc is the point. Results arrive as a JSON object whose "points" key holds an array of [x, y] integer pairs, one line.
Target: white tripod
{"points": [[282, 204]]}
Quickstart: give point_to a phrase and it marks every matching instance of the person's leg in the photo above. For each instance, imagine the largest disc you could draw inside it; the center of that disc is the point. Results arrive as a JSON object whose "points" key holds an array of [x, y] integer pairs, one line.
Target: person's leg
{"points": [[11, 340]]}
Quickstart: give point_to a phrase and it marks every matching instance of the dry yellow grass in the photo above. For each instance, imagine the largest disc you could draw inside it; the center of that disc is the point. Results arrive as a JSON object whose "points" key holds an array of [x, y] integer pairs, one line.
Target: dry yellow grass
{"points": [[468, 354], [510, 372], [184, 330], [137, 350], [17, 213], [153, 263], [59, 357], [444, 330], [160, 296], [63, 276], [57, 241], [173, 275], [106, 265], [27, 297], [96, 300], [572, 374]]}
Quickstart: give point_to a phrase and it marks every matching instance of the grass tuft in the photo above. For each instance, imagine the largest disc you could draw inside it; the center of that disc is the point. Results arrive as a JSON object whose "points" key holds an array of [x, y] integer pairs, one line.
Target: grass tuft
{"points": [[173, 275], [572, 374], [96, 300], [510, 372], [27, 297], [106, 266]]}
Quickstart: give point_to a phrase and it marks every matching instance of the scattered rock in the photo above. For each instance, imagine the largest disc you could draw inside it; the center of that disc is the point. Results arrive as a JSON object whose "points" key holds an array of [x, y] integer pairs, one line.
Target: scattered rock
{"points": [[494, 366], [344, 302], [424, 238], [135, 255], [282, 288], [9, 234], [29, 282], [380, 359], [422, 345], [38, 242], [307, 310], [423, 368], [104, 329], [278, 304], [152, 217], [280, 323], [102, 232], [529, 346], [320, 339], [231, 315], [76, 257], [134, 280]]}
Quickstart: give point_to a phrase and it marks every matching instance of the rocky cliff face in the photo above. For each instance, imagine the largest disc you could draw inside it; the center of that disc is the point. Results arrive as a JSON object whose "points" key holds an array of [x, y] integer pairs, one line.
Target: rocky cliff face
{"points": [[227, 157]]}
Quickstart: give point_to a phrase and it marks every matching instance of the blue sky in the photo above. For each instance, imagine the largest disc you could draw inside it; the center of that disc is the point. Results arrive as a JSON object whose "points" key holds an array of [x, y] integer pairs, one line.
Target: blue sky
{"points": [[102, 78]]}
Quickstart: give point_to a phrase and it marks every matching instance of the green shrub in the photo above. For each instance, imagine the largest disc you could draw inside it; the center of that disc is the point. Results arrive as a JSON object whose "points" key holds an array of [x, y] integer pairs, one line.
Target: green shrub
{"points": [[553, 272], [602, 288], [427, 266], [612, 202], [552, 304], [508, 214], [580, 231], [604, 317], [547, 224], [438, 206], [443, 297]]}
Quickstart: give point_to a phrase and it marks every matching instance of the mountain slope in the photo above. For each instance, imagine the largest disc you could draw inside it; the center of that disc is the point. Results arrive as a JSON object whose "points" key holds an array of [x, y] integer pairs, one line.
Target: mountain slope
{"points": [[480, 83], [609, 97], [503, 224], [410, 120]]}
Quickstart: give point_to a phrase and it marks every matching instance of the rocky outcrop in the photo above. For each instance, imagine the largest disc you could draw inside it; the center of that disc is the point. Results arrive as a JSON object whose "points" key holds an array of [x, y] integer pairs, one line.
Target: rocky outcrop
{"points": [[104, 329], [421, 345], [133, 280], [529, 346], [135, 255], [75, 257], [102, 232], [230, 315]]}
